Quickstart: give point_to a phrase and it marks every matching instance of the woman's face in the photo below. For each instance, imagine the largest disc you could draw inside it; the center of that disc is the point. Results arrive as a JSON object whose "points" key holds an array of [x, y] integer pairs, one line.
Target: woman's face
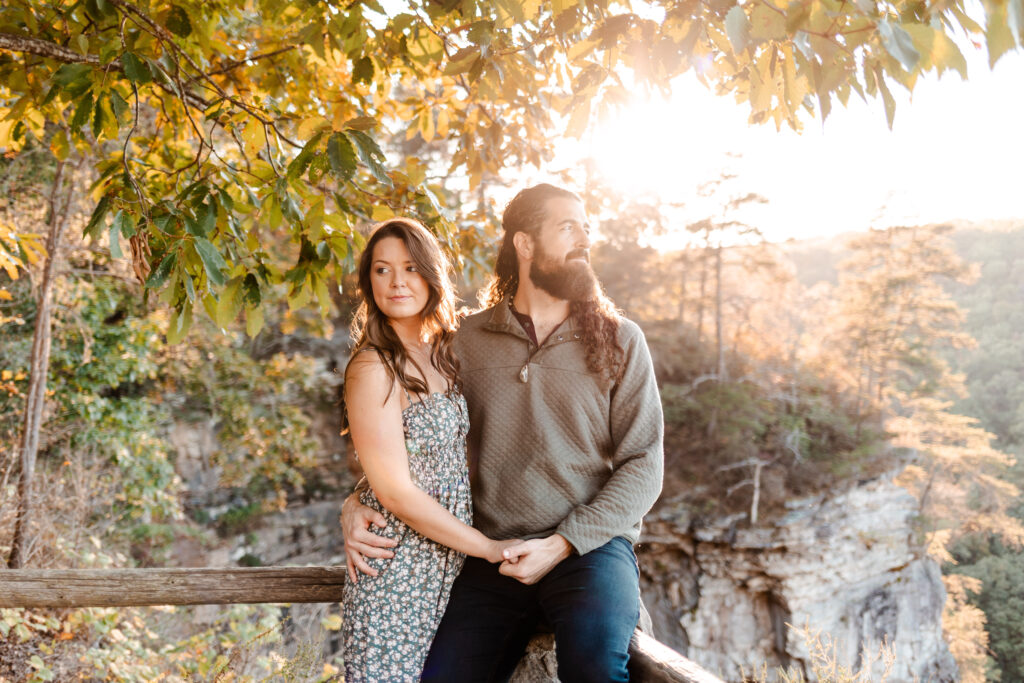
{"points": [[399, 291]]}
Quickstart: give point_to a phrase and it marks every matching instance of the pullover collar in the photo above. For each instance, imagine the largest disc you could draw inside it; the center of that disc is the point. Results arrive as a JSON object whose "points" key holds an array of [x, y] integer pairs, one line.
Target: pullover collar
{"points": [[502, 321]]}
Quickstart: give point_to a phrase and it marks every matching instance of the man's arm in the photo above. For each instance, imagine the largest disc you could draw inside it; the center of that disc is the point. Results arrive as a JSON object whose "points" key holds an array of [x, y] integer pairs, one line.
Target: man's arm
{"points": [[360, 542], [637, 430]]}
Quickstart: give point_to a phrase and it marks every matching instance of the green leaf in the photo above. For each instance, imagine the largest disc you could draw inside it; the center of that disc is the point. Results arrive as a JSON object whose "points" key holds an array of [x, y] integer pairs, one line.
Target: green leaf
{"points": [[371, 155], [462, 61], [251, 290], [135, 69], [737, 27], [194, 227], [213, 262], [301, 161], [115, 247], [82, 112], [1015, 19], [362, 70], [69, 73], [899, 44], [342, 156], [178, 23], [208, 218], [123, 224], [98, 214], [181, 321], [159, 275]]}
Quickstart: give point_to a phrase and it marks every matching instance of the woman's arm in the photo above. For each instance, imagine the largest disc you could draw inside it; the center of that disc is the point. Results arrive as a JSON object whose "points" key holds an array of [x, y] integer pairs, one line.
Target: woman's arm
{"points": [[375, 422]]}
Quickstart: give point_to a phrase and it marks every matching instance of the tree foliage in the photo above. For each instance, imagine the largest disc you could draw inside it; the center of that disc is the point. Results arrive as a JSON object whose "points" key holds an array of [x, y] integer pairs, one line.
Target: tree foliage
{"points": [[237, 145]]}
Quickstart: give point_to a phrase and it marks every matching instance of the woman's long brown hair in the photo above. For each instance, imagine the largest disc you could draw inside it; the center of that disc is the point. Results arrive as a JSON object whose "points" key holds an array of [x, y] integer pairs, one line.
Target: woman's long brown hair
{"points": [[371, 328], [597, 318]]}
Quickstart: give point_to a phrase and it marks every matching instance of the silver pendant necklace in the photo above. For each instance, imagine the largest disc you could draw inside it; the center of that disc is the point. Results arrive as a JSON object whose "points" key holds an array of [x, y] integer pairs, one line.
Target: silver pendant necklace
{"points": [[524, 373]]}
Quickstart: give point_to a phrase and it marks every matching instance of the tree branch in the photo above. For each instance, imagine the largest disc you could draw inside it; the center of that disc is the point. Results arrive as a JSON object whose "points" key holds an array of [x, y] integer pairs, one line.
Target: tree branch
{"points": [[44, 48]]}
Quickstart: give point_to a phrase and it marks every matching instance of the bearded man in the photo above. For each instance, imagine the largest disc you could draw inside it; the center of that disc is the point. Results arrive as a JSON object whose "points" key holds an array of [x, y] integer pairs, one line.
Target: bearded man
{"points": [[565, 448]]}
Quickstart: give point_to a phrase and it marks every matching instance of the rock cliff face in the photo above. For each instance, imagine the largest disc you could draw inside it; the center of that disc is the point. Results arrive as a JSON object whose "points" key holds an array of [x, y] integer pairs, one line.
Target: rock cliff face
{"points": [[845, 566]]}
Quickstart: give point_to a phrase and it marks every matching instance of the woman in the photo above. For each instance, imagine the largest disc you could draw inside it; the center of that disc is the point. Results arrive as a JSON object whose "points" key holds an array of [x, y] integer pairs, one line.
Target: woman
{"points": [[408, 423]]}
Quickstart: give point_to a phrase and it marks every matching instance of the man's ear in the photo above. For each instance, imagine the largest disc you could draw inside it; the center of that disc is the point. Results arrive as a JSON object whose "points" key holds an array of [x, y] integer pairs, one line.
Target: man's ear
{"points": [[524, 245]]}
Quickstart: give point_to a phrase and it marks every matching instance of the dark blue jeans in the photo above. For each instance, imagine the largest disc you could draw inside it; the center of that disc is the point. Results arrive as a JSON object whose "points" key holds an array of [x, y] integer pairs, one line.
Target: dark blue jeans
{"points": [[591, 602]]}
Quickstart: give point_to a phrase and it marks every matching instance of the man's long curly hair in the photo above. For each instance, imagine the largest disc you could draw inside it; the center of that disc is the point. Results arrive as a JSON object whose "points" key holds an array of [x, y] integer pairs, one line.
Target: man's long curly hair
{"points": [[371, 328], [597, 318]]}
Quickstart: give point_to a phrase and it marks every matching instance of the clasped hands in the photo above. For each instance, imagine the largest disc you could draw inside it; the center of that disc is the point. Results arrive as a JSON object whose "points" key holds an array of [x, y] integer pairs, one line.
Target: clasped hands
{"points": [[525, 561]]}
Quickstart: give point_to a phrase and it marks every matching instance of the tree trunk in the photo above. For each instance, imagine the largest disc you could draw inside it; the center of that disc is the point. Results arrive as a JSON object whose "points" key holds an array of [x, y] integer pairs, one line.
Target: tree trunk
{"points": [[22, 542], [719, 332], [684, 260], [701, 295]]}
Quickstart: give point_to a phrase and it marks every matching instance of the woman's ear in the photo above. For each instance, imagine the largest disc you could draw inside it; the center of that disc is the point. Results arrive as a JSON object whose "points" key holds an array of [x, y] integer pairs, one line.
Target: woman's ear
{"points": [[524, 245]]}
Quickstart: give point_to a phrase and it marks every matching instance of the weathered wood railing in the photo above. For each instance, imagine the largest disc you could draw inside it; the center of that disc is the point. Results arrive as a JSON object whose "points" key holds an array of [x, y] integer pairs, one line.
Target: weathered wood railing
{"points": [[649, 659]]}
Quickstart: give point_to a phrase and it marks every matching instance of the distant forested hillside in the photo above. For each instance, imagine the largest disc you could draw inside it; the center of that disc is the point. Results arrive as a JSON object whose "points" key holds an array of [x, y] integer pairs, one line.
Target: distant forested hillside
{"points": [[993, 371]]}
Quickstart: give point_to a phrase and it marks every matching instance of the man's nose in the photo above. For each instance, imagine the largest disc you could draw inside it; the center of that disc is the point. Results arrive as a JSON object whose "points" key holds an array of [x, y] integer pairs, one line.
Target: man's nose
{"points": [[583, 239]]}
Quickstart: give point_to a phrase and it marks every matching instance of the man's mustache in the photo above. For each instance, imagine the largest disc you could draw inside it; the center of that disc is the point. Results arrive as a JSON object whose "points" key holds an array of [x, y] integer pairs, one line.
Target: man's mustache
{"points": [[578, 253]]}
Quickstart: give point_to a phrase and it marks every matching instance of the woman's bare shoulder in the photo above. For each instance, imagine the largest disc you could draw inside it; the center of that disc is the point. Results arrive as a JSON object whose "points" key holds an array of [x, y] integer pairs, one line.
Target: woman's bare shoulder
{"points": [[367, 372]]}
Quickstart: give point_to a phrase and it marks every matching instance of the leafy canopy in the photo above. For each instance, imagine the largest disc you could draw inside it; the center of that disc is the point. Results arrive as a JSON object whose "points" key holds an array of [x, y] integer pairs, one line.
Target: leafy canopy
{"points": [[236, 145]]}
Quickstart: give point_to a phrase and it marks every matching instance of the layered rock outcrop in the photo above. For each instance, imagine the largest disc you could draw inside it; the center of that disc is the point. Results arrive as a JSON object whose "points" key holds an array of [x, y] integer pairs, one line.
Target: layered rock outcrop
{"points": [[846, 567]]}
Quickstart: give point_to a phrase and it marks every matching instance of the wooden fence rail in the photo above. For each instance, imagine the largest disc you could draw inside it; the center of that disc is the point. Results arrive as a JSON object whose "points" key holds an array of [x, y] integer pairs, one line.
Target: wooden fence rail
{"points": [[650, 660]]}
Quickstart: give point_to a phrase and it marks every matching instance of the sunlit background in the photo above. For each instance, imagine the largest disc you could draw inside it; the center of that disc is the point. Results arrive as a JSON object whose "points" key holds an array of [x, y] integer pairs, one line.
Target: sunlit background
{"points": [[954, 154]]}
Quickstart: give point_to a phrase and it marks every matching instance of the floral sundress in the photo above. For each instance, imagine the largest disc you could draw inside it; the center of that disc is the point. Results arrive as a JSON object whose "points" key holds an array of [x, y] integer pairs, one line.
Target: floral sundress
{"points": [[389, 620]]}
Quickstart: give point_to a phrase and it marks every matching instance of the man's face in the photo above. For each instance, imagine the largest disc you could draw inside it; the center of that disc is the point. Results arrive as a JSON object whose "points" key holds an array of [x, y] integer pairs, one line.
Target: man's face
{"points": [[561, 258]]}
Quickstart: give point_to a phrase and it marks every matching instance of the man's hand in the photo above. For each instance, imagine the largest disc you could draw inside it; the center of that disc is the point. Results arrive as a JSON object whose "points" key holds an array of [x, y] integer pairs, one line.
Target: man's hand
{"points": [[531, 560], [360, 542]]}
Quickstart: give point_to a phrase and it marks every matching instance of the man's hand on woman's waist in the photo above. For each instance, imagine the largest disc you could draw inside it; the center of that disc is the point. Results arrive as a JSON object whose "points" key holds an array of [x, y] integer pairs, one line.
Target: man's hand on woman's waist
{"points": [[360, 542]]}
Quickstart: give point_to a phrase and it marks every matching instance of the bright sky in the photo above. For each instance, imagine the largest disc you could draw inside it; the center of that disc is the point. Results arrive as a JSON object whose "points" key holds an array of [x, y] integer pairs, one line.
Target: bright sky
{"points": [[955, 152]]}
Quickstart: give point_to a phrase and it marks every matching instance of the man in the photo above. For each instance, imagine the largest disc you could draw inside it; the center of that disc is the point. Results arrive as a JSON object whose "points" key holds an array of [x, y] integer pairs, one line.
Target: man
{"points": [[565, 446]]}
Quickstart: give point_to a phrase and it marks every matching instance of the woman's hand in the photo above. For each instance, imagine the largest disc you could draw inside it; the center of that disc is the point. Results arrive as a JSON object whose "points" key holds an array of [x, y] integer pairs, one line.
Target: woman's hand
{"points": [[496, 552]]}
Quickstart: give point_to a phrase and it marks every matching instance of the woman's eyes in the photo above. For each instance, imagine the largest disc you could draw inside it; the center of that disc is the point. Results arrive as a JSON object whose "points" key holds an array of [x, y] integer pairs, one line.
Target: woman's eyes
{"points": [[382, 270]]}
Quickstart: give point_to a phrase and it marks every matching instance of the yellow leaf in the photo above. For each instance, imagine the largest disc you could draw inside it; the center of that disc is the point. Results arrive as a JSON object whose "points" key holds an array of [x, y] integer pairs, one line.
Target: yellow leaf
{"points": [[442, 123], [6, 375], [332, 622], [253, 320], [59, 145], [322, 297], [946, 55], [767, 23], [5, 295], [579, 120], [581, 49], [5, 133], [427, 125], [253, 136]]}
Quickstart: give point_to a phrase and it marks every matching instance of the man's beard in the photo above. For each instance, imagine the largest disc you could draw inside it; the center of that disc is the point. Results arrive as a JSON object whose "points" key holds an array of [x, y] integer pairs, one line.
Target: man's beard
{"points": [[568, 280]]}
